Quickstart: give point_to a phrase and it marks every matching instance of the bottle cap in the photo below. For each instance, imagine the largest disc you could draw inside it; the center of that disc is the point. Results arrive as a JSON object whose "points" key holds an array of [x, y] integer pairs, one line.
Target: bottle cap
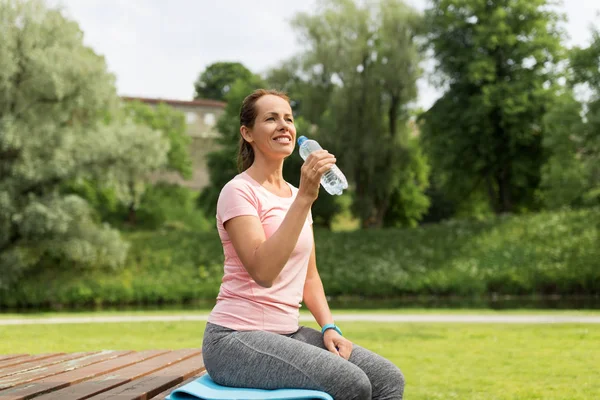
{"points": [[301, 140]]}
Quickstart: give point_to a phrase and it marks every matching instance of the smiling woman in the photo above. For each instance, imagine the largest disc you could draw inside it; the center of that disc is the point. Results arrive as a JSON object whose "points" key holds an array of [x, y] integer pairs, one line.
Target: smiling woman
{"points": [[252, 338], [276, 110]]}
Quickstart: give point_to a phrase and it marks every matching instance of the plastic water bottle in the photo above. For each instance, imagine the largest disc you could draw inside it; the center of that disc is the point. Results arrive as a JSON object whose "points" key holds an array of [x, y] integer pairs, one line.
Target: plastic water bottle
{"points": [[333, 180]]}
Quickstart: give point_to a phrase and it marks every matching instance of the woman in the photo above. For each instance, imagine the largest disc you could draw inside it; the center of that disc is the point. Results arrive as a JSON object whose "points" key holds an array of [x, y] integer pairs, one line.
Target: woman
{"points": [[252, 338]]}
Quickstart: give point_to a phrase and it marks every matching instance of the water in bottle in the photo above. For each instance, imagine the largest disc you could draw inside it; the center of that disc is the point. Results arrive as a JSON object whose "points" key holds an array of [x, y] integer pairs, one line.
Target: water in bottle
{"points": [[333, 180]]}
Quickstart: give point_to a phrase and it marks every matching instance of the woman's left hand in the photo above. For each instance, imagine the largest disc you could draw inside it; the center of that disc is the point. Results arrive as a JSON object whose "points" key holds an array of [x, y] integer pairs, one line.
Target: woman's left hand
{"points": [[337, 344]]}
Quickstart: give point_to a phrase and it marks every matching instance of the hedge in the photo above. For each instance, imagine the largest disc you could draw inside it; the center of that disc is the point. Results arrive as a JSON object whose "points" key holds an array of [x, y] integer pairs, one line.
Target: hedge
{"points": [[550, 253]]}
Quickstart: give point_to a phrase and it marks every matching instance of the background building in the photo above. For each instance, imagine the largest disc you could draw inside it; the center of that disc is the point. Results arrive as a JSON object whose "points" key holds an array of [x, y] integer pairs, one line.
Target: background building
{"points": [[201, 116]]}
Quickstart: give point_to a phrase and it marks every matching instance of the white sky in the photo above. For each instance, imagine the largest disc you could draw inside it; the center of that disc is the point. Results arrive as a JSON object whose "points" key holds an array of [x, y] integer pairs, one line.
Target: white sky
{"points": [[157, 48]]}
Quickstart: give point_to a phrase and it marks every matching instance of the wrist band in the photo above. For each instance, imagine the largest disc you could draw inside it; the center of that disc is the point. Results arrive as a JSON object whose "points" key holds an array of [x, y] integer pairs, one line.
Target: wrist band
{"points": [[331, 326]]}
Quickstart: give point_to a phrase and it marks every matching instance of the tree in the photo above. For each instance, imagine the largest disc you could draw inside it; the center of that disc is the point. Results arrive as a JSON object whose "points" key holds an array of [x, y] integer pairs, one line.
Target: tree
{"points": [[564, 176], [309, 90], [409, 202], [497, 60], [118, 201], [141, 151], [171, 123], [586, 64], [369, 54], [217, 79], [55, 94], [571, 176]]}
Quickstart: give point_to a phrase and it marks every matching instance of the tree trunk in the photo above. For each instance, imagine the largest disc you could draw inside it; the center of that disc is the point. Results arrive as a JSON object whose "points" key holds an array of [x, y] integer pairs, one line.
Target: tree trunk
{"points": [[492, 196], [393, 115], [501, 200], [503, 174], [504, 187], [131, 215], [362, 181], [381, 205], [380, 212]]}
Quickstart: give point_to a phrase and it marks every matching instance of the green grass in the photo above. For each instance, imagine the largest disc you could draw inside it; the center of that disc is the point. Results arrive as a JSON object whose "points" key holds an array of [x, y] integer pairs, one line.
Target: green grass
{"points": [[440, 361], [205, 311]]}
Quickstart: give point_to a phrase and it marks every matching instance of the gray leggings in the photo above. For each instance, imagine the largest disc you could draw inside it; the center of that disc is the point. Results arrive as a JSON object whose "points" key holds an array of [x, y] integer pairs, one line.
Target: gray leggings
{"points": [[266, 360]]}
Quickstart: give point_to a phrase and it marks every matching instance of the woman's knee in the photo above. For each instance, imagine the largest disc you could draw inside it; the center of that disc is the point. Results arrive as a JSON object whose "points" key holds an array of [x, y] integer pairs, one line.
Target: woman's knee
{"points": [[387, 380], [390, 384], [352, 384], [363, 387], [397, 381]]}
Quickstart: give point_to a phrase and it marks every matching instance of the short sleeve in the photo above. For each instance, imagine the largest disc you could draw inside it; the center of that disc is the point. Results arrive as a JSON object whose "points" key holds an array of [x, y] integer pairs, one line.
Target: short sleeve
{"points": [[236, 199]]}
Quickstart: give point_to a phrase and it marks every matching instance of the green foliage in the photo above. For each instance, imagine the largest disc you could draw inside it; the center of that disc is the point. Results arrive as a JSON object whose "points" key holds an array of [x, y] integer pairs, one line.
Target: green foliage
{"points": [[172, 206], [162, 205], [363, 61], [571, 176], [121, 158], [119, 199], [409, 202], [547, 253], [54, 95], [171, 123], [586, 63], [309, 90], [567, 178], [217, 79], [167, 265], [484, 134]]}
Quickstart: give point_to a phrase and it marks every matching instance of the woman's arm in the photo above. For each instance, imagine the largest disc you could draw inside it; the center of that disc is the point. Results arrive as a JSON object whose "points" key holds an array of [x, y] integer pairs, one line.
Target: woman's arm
{"points": [[316, 302], [265, 258], [314, 294]]}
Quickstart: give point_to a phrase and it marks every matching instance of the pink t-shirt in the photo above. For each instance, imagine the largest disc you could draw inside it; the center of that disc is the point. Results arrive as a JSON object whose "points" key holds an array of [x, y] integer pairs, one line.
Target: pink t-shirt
{"points": [[242, 304]]}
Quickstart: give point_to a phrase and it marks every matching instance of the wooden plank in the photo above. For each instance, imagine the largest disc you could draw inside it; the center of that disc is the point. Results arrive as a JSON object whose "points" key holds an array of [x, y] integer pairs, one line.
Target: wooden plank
{"points": [[161, 381], [52, 368], [11, 356], [103, 383], [75, 373], [163, 395], [39, 364], [26, 359]]}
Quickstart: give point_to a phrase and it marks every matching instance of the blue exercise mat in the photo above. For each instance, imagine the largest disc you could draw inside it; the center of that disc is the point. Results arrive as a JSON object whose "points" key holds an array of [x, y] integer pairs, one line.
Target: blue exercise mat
{"points": [[205, 389]]}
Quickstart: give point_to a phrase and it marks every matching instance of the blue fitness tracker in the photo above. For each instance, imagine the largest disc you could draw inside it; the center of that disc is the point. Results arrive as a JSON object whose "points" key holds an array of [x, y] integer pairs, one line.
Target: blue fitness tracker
{"points": [[331, 326]]}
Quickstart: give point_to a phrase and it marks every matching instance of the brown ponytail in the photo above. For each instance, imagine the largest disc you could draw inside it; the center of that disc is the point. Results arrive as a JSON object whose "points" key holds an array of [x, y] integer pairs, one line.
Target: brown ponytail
{"points": [[248, 112], [245, 156]]}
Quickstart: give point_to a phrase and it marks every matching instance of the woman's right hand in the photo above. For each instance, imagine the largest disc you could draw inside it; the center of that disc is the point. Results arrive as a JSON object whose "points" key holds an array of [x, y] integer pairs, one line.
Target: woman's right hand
{"points": [[316, 164]]}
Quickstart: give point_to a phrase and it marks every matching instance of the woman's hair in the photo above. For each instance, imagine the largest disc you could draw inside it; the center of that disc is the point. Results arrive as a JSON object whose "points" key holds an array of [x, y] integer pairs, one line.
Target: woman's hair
{"points": [[247, 118]]}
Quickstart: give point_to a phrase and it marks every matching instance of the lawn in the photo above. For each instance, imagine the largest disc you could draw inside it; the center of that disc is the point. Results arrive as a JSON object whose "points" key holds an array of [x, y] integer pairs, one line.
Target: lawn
{"points": [[440, 361], [303, 312]]}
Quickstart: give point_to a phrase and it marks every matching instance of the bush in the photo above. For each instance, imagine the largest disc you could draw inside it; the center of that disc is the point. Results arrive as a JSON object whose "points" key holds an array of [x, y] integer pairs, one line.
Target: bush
{"points": [[164, 266], [546, 253], [174, 206]]}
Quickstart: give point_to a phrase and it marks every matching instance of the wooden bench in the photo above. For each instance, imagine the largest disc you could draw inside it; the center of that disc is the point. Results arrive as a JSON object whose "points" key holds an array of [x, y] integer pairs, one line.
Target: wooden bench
{"points": [[123, 375]]}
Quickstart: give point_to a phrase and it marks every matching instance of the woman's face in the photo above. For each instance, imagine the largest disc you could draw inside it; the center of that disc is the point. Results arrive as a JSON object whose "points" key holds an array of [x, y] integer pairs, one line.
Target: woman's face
{"points": [[274, 133]]}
